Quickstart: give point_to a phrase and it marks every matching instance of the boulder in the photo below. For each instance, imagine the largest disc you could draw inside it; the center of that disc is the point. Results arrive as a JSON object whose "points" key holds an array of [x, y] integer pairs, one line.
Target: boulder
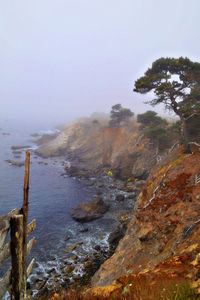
{"points": [[17, 152], [88, 211], [15, 163], [119, 197], [20, 147], [72, 171], [140, 183], [97, 248], [132, 196], [17, 156], [117, 235], [84, 230], [35, 135]]}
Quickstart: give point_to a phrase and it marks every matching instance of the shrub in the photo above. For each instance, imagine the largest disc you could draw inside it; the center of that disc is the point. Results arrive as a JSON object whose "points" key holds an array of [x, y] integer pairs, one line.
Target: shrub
{"points": [[150, 118], [119, 114]]}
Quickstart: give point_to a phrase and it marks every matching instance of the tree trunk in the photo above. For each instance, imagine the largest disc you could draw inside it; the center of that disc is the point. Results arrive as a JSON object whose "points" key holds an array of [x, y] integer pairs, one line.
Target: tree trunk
{"points": [[184, 132]]}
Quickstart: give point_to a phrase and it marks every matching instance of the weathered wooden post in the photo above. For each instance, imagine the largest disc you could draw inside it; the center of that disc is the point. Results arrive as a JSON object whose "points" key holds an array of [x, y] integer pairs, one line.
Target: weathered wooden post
{"points": [[16, 224], [25, 220], [15, 278]]}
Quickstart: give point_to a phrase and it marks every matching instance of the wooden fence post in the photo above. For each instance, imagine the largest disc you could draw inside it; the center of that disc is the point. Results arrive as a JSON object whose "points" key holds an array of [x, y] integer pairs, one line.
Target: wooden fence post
{"points": [[25, 220], [16, 224], [15, 279]]}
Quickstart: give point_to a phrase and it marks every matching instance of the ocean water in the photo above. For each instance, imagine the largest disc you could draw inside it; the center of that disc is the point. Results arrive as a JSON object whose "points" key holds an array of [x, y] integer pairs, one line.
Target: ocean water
{"points": [[51, 197]]}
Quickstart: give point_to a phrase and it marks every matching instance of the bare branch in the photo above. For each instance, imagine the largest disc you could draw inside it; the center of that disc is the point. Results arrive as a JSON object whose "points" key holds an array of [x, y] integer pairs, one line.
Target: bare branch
{"points": [[195, 113], [154, 192]]}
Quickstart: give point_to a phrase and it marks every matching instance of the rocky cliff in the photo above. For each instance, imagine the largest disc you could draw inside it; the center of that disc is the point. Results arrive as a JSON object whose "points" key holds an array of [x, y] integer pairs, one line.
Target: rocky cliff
{"points": [[93, 148], [162, 241], [159, 256], [163, 236]]}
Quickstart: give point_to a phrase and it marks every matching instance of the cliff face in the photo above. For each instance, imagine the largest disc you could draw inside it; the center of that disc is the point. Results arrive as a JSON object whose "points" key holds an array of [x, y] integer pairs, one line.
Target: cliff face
{"points": [[164, 233], [163, 237], [160, 252], [92, 148]]}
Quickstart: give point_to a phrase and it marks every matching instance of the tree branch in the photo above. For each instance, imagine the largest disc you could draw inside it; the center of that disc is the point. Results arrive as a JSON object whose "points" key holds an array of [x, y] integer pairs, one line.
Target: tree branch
{"points": [[154, 192], [196, 113]]}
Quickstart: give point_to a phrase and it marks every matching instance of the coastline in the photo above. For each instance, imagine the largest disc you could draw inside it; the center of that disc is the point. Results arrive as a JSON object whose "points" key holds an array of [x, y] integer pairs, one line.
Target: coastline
{"points": [[99, 252], [121, 196], [78, 270]]}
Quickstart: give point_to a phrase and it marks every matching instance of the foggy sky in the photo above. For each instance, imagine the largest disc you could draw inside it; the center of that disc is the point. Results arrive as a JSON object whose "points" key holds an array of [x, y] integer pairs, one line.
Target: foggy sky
{"points": [[61, 59]]}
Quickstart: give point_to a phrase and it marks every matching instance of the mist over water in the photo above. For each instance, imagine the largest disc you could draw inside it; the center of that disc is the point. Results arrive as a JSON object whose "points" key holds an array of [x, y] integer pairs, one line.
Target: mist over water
{"points": [[51, 197], [66, 59], [62, 60]]}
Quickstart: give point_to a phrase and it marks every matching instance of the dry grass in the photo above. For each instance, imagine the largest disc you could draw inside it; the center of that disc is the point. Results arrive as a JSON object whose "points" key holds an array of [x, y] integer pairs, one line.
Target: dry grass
{"points": [[138, 290]]}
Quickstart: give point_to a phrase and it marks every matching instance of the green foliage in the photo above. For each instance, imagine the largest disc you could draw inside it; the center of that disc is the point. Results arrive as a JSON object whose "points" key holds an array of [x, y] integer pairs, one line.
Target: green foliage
{"points": [[147, 117], [150, 118], [191, 103], [180, 292], [175, 131], [95, 122], [119, 114], [175, 83], [193, 125], [156, 133], [193, 128], [176, 127], [160, 79], [135, 291], [154, 127]]}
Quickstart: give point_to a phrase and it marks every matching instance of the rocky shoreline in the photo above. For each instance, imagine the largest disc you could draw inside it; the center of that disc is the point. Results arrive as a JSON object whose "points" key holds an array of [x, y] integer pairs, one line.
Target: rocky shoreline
{"points": [[117, 199], [78, 271], [159, 220]]}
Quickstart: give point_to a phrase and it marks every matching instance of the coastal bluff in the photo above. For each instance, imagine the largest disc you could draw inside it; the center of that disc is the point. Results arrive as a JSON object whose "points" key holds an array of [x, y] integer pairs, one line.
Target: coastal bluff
{"points": [[162, 241], [95, 149], [165, 224], [161, 247]]}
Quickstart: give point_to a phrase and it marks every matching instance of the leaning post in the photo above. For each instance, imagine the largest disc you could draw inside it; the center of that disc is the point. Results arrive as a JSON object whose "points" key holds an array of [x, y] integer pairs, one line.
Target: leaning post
{"points": [[25, 220], [16, 225]]}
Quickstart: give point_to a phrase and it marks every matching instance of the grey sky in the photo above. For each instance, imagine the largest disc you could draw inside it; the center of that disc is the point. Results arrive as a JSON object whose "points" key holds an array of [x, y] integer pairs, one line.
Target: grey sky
{"points": [[60, 59]]}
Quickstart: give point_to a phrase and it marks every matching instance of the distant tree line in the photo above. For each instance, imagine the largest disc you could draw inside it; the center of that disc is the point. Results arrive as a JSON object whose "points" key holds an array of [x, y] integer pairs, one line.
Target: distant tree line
{"points": [[119, 114]]}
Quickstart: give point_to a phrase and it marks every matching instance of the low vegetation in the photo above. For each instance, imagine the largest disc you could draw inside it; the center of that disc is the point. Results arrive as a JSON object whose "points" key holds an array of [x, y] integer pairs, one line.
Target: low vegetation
{"points": [[138, 290]]}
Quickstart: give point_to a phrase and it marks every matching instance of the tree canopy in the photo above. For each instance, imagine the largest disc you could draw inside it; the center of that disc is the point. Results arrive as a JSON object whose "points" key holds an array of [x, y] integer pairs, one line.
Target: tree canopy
{"points": [[119, 114], [154, 127], [150, 118], [175, 83]]}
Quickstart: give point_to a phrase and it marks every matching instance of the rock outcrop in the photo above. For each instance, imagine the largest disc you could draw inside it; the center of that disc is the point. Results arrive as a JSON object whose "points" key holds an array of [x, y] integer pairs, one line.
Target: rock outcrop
{"points": [[165, 226], [96, 149], [88, 211], [15, 162], [161, 246]]}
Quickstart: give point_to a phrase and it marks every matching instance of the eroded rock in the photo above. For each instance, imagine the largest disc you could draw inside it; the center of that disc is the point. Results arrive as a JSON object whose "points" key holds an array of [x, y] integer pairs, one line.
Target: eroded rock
{"points": [[119, 197], [20, 147], [15, 163], [117, 235], [88, 211]]}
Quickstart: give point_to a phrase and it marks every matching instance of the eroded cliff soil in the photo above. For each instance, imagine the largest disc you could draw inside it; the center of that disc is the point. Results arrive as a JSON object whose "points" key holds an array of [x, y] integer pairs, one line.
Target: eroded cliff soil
{"points": [[93, 149], [161, 247], [163, 237], [162, 240]]}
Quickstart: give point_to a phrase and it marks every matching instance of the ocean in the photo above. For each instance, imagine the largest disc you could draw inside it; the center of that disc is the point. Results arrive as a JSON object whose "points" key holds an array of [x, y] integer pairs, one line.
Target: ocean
{"points": [[51, 197]]}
